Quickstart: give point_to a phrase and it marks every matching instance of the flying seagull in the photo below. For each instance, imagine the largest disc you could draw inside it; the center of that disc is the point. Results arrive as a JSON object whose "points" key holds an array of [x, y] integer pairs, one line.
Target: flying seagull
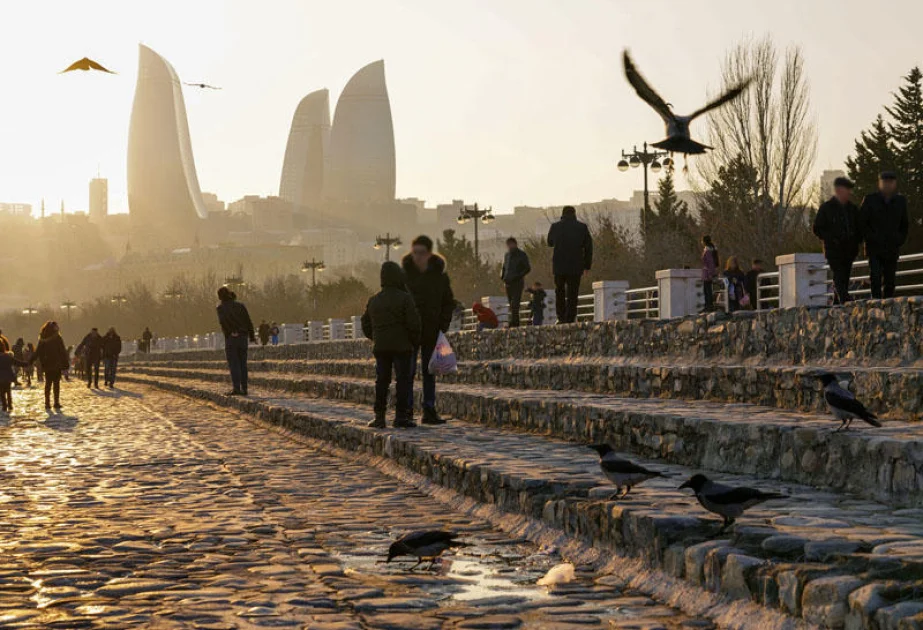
{"points": [[620, 471], [677, 140], [843, 404], [204, 86], [86, 64], [727, 501], [424, 545]]}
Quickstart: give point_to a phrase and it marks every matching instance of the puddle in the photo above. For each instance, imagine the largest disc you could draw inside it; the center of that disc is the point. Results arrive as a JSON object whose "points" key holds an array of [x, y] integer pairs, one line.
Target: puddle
{"points": [[482, 581]]}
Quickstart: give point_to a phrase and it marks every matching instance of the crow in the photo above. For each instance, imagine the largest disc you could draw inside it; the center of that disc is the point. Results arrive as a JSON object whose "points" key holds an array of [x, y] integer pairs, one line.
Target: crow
{"points": [[620, 471], [843, 404], [727, 502], [424, 545]]}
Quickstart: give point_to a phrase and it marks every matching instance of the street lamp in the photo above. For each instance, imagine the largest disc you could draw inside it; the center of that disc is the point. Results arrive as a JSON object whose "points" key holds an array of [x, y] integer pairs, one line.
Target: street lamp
{"points": [[313, 266], [648, 159], [174, 295], [387, 242], [118, 299], [68, 306], [29, 311], [469, 213]]}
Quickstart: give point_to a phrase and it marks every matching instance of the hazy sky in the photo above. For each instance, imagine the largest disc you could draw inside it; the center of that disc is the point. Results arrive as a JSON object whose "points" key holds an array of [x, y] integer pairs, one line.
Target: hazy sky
{"points": [[505, 102]]}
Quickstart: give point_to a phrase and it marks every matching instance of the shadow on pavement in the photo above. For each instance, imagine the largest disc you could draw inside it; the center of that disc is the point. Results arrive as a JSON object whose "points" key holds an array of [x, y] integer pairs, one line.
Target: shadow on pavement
{"points": [[115, 393], [60, 422]]}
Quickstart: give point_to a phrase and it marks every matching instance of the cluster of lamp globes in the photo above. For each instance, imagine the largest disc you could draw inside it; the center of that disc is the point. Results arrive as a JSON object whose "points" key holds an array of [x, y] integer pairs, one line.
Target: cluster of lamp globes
{"points": [[466, 213], [381, 242], [634, 162]]}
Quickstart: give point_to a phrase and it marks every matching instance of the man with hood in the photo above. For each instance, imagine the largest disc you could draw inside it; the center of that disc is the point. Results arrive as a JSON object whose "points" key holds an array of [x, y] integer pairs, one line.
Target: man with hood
{"points": [[238, 330], [572, 258], [91, 348], [426, 279], [392, 323]]}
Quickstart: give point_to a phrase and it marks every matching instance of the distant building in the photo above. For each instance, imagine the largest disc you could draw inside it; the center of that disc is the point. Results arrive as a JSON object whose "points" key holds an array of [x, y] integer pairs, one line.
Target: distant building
{"points": [[212, 203], [305, 167], [826, 183], [267, 214], [99, 200], [16, 209]]}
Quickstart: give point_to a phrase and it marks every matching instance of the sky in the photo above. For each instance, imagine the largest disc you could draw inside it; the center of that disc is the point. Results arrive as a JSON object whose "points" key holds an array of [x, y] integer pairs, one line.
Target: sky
{"points": [[504, 102]]}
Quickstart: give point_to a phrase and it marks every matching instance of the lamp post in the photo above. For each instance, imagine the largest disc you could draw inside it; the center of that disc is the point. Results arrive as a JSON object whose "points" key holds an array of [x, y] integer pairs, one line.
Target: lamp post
{"points": [[29, 311], [118, 299], [68, 306], [473, 213], [313, 266], [174, 295], [387, 242], [648, 159]]}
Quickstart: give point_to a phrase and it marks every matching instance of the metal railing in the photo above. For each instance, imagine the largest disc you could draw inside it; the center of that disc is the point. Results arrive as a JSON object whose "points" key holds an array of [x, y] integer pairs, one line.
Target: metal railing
{"points": [[909, 266], [767, 290], [643, 303]]}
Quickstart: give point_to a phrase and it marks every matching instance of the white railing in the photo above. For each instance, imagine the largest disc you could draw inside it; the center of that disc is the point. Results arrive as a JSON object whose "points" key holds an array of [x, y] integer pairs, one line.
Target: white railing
{"points": [[767, 290], [643, 303], [586, 307], [862, 285]]}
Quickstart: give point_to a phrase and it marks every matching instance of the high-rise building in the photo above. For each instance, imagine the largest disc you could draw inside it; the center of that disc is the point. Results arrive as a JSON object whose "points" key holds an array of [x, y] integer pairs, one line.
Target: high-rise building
{"points": [[362, 163], [99, 199], [16, 209], [164, 199], [305, 167]]}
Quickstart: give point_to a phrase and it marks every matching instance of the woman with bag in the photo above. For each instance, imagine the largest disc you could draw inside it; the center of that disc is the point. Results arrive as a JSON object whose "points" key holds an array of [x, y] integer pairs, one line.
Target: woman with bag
{"points": [[737, 285]]}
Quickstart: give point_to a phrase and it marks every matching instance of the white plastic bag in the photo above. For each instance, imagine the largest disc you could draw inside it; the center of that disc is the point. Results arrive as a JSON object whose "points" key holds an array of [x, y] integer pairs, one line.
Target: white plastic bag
{"points": [[443, 360]]}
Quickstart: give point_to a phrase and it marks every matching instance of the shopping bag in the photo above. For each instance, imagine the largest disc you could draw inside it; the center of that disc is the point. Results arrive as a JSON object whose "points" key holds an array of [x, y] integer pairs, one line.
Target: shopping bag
{"points": [[443, 360]]}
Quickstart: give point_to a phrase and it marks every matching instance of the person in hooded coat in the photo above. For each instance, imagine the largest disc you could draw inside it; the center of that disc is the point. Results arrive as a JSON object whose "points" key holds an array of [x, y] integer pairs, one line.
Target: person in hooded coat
{"points": [[571, 260], [91, 348], [51, 353]]}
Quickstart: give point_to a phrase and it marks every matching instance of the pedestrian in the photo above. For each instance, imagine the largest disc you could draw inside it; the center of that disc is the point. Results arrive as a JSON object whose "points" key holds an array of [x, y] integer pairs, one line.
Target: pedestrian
{"points": [[515, 269], [112, 348], [572, 258], [274, 333], [238, 329], [91, 348], [4, 343], [837, 226], [392, 322], [52, 353], [487, 318], [752, 282], [9, 365], [429, 284], [17, 349], [27, 370], [709, 271], [884, 223], [263, 332], [146, 338], [736, 285], [537, 303]]}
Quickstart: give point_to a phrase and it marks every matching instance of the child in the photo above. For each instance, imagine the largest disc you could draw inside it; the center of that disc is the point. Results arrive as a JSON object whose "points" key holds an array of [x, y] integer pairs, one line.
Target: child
{"points": [[537, 303], [8, 365], [274, 334], [487, 319], [391, 321]]}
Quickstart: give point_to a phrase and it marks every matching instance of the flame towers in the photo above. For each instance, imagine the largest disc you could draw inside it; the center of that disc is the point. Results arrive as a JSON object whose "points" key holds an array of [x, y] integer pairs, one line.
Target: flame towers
{"points": [[164, 199], [305, 168]]}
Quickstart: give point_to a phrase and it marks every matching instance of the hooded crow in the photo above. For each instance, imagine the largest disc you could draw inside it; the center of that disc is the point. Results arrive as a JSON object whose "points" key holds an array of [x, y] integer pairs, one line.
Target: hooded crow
{"points": [[425, 545], [620, 471], [843, 404], [727, 501], [678, 139]]}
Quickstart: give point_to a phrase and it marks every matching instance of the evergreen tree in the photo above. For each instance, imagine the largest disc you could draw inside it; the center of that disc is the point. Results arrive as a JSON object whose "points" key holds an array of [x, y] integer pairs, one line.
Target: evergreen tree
{"points": [[874, 153], [672, 235], [907, 133], [471, 278]]}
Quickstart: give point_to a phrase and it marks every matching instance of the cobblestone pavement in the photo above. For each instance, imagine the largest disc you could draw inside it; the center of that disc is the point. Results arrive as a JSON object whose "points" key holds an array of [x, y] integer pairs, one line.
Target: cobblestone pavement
{"points": [[139, 508]]}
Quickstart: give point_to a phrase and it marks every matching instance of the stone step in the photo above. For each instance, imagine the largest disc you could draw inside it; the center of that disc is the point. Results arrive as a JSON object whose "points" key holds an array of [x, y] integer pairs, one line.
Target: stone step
{"points": [[828, 558], [893, 393], [883, 464]]}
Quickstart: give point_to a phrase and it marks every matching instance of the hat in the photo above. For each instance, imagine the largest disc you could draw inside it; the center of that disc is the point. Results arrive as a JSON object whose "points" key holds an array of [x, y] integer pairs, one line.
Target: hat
{"points": [[842, 182], [225, 293], [887, 175]]}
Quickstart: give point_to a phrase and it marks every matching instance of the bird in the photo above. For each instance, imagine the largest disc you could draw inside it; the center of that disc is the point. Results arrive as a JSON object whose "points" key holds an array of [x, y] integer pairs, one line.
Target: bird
{"points": [[620, 471], [86, 64], [843, 404], [678, 139], [727, 502], [424, 545], [204, 86]]}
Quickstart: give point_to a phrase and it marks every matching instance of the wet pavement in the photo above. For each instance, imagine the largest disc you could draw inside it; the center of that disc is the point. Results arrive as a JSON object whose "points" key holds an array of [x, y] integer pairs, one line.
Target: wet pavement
{"points": [[136, 508]]}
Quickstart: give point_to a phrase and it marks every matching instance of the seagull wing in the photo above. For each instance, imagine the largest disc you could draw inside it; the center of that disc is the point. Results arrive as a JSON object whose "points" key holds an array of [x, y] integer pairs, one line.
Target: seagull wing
{"points": [[851, 405], [95, 66], [77, 65], [644, 90], [726, 98]]}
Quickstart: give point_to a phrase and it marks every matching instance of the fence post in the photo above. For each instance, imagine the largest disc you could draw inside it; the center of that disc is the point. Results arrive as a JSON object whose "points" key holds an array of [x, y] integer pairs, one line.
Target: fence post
{"points": [[337, 328], [802, 280], [291, 333], [610, 300], [357, 327], [315, 330], [680, 292]]}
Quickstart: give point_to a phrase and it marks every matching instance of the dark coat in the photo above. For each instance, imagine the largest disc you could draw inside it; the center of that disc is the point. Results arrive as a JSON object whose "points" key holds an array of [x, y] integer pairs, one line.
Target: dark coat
{"points": [[91, 347], [235, 319], [884, 224], [537, 302], [264, 331], [51, 353], [8, 363], [432, 293], [573, 247], [391, 320], [515, 266], [112, 346], [837, 225]]}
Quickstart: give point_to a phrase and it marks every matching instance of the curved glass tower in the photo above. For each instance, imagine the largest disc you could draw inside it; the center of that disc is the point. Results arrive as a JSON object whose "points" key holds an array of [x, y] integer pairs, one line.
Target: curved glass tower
{"points": [[164, 199], [304, 170], [362, 165]]}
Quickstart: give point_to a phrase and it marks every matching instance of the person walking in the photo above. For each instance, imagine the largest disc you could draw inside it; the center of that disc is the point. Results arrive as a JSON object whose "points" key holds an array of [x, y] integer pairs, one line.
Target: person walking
{"points": [[52, 353], [429, 284], [537, 298], [392, 322], [146, 338], [709, 271], [515, 269], [91, 348], [572, 258], [884, 224], [238, 329], [9, 365], [112, 348], [28, 369], [263, 332], [736, 285], [837, 226]]}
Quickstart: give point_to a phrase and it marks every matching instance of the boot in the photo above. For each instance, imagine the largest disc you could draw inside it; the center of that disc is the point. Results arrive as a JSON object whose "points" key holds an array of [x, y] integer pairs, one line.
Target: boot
{"points": [[379, 421], [431, 417], [403, 420]]}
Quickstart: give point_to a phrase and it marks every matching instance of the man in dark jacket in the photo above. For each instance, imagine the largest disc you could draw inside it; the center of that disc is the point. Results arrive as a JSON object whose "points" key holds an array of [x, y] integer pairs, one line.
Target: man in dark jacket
{"points": [[391, 321], [112, 348], [263, 332], [837, 225], [238, 329], [884, 223], [91, 348], [515, 269], [573, 257], [146, 338], [428, 283]]}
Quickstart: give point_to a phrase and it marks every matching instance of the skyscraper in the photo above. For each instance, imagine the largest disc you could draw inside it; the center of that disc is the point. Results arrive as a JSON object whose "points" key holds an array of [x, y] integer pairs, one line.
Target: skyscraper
{"points": [[305, 167], [164, 199], [362, 164], [99, 199]]}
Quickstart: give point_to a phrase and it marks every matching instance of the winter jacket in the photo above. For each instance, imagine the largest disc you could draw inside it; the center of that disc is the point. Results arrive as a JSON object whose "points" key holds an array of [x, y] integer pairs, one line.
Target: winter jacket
{"points": [[8, 363], [486, 316], [884, 224], [537, 302], [391, 320], [432, 293], [264, 331], [91, 347], [573, 247], [52, 354], [515, 266], [235, 319], [837, 225], [112, 346], [709, 263]]}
